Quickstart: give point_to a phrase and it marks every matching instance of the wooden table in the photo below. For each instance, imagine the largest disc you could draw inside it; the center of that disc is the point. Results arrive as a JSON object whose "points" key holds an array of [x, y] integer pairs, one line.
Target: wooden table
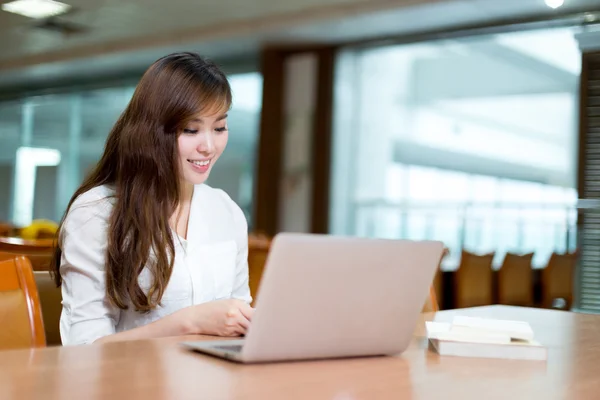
{"points": [[161, 369]]}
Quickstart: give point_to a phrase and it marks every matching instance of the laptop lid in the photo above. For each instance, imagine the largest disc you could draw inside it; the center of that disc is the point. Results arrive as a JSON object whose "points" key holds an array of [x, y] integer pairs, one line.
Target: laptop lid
{"points": [[324, 296]]}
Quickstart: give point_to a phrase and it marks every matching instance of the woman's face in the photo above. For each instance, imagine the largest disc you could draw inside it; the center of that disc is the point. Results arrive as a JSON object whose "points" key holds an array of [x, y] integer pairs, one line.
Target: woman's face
{"points": [[200, 144]]}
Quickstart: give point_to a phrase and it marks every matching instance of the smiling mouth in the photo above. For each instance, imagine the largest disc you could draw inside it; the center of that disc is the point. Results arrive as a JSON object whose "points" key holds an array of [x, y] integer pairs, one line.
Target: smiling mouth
{"points": [[200, 163]]}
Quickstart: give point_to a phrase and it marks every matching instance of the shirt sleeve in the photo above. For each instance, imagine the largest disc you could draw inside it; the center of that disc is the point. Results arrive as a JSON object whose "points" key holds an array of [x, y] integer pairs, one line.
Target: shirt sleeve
{"points": [[87, 314]]}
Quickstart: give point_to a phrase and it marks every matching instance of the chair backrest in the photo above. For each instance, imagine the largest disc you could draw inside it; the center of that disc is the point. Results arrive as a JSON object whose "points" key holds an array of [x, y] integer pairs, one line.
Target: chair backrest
{"points": [[258, 250], [39, 252], [20, 310], [557, 279], [431, 304], [7, 229], [473, 280], [515, 280], [51, 302]]}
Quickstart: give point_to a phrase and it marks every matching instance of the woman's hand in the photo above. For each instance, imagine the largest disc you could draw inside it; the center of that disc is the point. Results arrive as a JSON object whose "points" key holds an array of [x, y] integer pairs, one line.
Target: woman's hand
{"points": [[229, 317]]}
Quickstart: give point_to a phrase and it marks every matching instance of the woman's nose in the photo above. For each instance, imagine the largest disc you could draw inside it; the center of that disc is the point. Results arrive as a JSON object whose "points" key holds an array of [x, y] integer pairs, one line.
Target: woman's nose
{"points": [[205, 142]]}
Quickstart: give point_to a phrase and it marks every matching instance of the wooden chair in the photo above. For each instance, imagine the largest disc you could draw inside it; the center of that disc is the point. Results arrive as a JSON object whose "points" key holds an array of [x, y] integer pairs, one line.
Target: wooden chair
{"points": [[258, 249], [515, 280], [433, 302], [20, 310], [431, 305], [50, 300], [7, 229], [473, 280], [39, 252], [438, 282], [557, 280]]}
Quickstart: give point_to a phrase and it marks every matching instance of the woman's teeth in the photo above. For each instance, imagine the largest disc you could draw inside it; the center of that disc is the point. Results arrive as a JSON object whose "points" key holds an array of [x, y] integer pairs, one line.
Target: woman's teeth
{"points": [[200, 163]]}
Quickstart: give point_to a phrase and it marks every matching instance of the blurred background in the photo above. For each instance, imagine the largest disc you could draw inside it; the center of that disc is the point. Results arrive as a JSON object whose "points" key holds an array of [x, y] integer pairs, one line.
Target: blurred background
{"points": [[474, 122]]}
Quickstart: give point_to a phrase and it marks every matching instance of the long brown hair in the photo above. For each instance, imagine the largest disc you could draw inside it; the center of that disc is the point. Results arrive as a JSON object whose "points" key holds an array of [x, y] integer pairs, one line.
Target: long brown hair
{"points": [[141, 163]]}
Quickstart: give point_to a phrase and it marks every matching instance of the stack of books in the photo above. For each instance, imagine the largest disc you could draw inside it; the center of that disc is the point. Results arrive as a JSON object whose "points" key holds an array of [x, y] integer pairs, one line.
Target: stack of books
{"points": [[485, 338]]}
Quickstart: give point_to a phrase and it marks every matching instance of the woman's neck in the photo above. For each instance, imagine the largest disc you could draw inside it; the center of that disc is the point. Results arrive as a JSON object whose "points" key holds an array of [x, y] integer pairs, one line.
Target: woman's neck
{"points": [[179, 220], [187, 191]]}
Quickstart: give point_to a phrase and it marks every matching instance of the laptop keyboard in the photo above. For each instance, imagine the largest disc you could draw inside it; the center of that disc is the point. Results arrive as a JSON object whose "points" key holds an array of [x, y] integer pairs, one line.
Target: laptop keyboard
{"points": [[236, 348]]}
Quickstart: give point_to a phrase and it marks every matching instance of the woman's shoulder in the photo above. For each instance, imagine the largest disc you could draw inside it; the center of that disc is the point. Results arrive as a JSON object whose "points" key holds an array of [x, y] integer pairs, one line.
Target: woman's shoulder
{"points": [[89, 214], [98, 200], [219, 199]]}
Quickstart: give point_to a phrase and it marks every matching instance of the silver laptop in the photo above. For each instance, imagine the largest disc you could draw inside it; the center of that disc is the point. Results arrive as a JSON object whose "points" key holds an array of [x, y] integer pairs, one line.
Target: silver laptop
{"points": [[325, 296]]}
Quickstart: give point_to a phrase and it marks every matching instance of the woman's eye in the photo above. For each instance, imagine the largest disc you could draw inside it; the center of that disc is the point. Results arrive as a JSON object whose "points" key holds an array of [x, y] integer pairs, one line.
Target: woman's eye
{"points": [[190, 131], [223, 129]]}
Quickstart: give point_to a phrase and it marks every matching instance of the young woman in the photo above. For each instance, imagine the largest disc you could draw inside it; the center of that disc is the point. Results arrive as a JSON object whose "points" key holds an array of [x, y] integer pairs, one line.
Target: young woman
{"points": [[146, 249]]}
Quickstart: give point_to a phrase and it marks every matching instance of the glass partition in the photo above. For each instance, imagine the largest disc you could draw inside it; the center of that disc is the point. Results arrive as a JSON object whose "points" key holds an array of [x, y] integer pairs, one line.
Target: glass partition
{"points": [[471, 141], [73, 127]]}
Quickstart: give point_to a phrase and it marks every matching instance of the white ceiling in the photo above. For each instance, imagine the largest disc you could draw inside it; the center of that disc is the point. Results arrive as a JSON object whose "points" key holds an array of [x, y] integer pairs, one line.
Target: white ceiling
{"points": [[116, 24], [128, 35], [126, 25]]}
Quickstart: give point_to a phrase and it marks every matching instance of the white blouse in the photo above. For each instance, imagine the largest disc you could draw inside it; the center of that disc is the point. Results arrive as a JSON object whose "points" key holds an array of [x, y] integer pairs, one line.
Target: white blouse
{"points": [[211, 264]]}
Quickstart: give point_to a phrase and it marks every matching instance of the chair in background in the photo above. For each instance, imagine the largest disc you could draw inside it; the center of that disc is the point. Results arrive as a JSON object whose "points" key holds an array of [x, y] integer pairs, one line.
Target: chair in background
{"points": [[431, 304], [7, 229], [50, 298], [515, 280], [51, 302], [473, 280], [438, 282], [557, 281], [258, 250], [39, 251], [20, 309]]}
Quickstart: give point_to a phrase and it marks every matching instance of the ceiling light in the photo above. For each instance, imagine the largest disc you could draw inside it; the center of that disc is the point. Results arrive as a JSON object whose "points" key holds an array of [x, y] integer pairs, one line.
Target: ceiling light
{"points": [[36, 8], [590, 18], [554, 3]]}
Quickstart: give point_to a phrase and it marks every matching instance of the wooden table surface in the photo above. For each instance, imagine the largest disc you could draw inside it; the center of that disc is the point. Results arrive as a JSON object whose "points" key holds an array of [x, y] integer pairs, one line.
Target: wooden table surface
{"points": [[161, 369]]}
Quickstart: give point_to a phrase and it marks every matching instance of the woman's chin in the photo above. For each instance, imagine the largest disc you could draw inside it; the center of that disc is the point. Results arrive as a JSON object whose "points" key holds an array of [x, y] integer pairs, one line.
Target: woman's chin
{"points": [[197, 179]]}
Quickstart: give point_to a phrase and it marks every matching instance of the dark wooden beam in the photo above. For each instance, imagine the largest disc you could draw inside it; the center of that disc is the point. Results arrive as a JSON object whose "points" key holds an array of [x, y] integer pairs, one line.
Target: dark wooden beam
{"points": [[269, 160], [322, 141], [269, 167]]}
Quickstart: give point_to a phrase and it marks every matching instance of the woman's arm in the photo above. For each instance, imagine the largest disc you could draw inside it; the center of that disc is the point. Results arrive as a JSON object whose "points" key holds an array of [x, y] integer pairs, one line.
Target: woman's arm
{"points": [[87, 314], [228, 317], [241, 287], [172, 325]]}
